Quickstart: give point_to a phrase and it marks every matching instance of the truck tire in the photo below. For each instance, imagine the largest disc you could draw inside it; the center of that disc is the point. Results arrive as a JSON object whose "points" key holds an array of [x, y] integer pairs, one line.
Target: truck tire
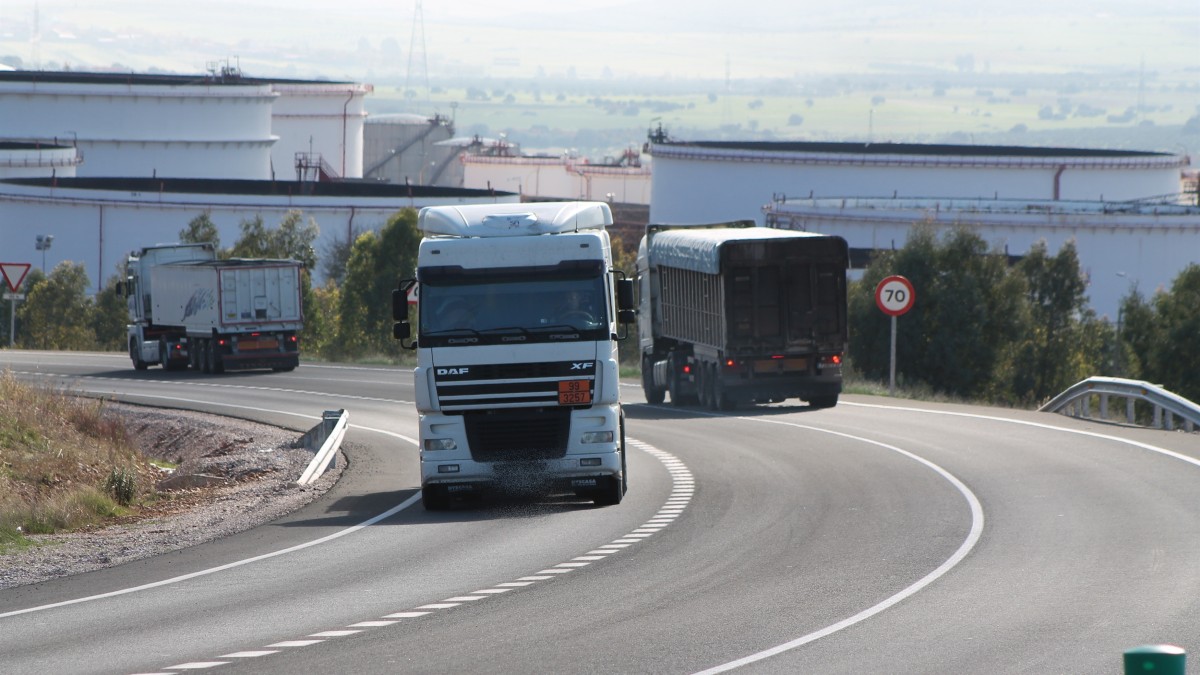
{"points": [[719, 395], [214, 358], [202, 357], [135, 355], [654, 395], [610, 492], [434, 498], [823, 401]]}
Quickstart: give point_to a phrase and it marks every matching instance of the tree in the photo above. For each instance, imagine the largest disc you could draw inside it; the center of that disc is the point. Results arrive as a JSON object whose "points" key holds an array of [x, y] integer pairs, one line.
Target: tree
{"points": [[110, 316], [199, 230], [1176, 360], [377, 262], [57, 314]]}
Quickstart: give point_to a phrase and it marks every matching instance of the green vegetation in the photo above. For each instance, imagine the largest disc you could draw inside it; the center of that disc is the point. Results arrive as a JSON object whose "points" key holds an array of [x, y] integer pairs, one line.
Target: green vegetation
{"points": [[1015, 335], [63, 463]]}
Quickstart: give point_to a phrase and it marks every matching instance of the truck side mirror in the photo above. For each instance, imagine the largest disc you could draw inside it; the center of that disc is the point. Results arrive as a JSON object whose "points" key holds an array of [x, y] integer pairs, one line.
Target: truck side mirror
{"points": [[400, 300], [401, 330], [120, 289], [625, 295], [626, 315]]}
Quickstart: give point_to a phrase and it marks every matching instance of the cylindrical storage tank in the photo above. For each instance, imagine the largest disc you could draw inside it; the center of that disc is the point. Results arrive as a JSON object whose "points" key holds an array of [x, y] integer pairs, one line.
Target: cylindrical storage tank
{"points": [[400, 148], [144, 125], [34, 160], [322, 121], [717, 181]]}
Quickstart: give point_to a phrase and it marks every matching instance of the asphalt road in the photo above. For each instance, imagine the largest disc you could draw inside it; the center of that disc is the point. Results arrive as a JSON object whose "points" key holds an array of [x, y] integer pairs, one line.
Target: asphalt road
{"points": [[880, 536]]}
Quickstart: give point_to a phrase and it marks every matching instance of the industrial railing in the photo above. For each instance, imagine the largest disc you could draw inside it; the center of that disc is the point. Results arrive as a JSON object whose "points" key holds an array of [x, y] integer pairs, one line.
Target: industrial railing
{"points": [[1165, 406]]}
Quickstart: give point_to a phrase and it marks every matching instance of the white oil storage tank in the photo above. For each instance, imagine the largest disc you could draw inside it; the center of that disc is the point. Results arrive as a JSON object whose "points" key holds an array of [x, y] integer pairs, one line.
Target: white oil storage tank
{"points": [[36, 160], [708, 181], [320, 129], [212, 126]]}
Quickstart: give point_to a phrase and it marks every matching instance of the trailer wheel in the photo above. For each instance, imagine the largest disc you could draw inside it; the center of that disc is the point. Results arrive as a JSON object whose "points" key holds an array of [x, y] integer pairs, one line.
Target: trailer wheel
{"points": [[703, 386], [721, 400], [135, 355], [214, 357], [823, 401], [654, 395]]}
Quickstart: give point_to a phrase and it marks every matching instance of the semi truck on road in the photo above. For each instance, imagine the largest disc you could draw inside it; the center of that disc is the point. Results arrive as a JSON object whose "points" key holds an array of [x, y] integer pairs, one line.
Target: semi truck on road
{"points": [[187, 308], [519, 315], [732, 314]]}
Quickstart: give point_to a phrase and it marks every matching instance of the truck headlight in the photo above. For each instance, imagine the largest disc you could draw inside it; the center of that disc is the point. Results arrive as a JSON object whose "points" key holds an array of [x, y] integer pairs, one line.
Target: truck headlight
{"points": [[440, 444], [596, 437]]}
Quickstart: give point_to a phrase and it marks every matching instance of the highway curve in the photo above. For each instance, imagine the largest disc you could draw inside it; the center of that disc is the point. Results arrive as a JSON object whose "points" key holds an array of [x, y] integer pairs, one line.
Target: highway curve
{"points": [[878, 536]]}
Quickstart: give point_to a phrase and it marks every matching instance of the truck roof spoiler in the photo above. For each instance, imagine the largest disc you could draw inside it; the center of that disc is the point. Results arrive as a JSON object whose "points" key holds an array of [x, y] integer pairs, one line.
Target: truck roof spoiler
{"points": [[513, 220]]}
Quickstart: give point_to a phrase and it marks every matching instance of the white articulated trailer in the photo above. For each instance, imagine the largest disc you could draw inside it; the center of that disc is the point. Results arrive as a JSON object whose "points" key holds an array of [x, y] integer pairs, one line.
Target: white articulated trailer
{"points": [[186, 307], [520, 311]]}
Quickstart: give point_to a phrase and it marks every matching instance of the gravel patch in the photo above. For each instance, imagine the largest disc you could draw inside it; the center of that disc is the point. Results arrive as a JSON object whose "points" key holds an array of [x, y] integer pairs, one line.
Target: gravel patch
{"points": [[231, 475]]}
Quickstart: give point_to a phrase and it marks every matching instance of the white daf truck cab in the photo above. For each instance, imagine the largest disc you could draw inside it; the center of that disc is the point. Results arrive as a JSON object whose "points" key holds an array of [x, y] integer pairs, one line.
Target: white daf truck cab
{"points": [[517, 384]]}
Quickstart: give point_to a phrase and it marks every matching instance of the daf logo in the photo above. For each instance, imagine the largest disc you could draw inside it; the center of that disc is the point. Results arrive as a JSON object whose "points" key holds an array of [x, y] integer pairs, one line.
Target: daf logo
{"points": [[581, 366], [452, 371]]}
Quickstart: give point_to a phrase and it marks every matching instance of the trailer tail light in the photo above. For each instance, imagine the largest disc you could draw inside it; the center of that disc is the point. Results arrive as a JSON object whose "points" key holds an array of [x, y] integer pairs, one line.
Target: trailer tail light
{"points": [[687, 369], [293, 339], [831, 361], [730, 363]]}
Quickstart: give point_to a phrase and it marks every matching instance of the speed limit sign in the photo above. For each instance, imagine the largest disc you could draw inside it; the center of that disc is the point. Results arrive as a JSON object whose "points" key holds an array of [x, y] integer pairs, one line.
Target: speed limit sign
{"points": [[894, 295]]}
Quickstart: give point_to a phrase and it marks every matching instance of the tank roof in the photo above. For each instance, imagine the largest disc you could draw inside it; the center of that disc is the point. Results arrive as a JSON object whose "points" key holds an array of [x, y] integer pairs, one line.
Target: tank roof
{"points": [[84, 77], [942, 150], [254, 187]]}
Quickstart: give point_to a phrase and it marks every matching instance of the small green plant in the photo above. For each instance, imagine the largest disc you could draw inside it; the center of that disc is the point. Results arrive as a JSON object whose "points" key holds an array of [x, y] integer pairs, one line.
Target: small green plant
{"points": [[121, 483]]}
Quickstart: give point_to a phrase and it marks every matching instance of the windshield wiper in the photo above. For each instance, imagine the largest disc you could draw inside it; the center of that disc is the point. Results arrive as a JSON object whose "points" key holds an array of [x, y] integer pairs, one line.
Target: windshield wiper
{"points": [[445, 331], [500, 329]]}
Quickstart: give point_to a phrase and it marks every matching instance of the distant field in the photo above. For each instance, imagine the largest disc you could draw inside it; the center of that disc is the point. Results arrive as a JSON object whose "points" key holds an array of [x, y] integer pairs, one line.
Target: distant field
{"points": [[908, 114]]}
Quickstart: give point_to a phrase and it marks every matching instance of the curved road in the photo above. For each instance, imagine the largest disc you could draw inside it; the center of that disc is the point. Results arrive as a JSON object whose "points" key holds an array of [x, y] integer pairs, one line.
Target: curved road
{"points": [[877, 536]]}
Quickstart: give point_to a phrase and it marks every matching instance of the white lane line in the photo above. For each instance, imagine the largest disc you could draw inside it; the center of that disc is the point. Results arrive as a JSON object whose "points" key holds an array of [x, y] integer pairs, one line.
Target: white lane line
{"points": [[973, 536], [678, 473], [963, 550]]}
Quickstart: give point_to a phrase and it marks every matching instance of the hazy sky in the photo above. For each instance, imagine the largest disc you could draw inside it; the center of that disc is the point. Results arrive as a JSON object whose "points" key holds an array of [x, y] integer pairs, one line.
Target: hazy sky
{"points": [[606, 38]]}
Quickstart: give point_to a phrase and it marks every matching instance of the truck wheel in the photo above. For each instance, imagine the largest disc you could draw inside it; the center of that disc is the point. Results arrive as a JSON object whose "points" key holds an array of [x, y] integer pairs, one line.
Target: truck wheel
{"points": [[135, 355], [434, 498], [214, 357], [720, 397], [610, 492], [823, 401], [201, 348], [654, 395], [703, 384]]}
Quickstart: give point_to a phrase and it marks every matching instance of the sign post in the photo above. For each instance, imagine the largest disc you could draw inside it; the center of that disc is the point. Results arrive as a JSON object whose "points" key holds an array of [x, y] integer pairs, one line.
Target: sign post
{"points": [[894, 296], [14, 274]]}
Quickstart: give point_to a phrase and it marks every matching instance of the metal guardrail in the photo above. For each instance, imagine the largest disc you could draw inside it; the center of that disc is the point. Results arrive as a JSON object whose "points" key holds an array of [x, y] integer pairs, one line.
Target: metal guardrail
{"points": [[324, 439], [1166, 406]]}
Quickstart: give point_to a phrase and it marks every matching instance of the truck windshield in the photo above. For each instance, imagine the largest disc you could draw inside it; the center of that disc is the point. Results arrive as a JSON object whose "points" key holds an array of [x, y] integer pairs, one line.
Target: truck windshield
{"points": [[512, 309]]}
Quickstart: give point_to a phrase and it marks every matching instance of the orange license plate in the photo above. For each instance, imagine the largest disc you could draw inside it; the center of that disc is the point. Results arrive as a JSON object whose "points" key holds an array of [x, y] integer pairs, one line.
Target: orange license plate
{"points": [[270, 343], [574, 392]]}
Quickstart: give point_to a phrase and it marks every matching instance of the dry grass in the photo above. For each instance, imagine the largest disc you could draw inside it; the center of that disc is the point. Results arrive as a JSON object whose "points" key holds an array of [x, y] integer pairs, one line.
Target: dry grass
{"points": [[64, 464]]}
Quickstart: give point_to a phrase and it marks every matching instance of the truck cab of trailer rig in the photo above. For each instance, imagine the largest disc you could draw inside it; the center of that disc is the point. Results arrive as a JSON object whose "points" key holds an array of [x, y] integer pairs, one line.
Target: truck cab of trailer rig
{"points": [[517, 383]]}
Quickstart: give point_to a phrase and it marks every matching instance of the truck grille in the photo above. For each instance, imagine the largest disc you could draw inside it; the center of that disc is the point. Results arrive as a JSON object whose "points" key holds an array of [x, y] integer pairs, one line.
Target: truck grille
{"points": [[512, 385], [518, 434]]}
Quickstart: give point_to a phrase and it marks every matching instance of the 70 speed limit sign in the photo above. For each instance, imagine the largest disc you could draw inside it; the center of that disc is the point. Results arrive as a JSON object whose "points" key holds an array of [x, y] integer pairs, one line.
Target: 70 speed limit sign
{"points": [[895, 295]]}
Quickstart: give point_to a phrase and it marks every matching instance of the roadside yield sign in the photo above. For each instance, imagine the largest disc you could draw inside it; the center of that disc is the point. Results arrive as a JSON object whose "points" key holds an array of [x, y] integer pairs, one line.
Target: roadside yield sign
{"points": [[14, 274], [894, 295]]}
